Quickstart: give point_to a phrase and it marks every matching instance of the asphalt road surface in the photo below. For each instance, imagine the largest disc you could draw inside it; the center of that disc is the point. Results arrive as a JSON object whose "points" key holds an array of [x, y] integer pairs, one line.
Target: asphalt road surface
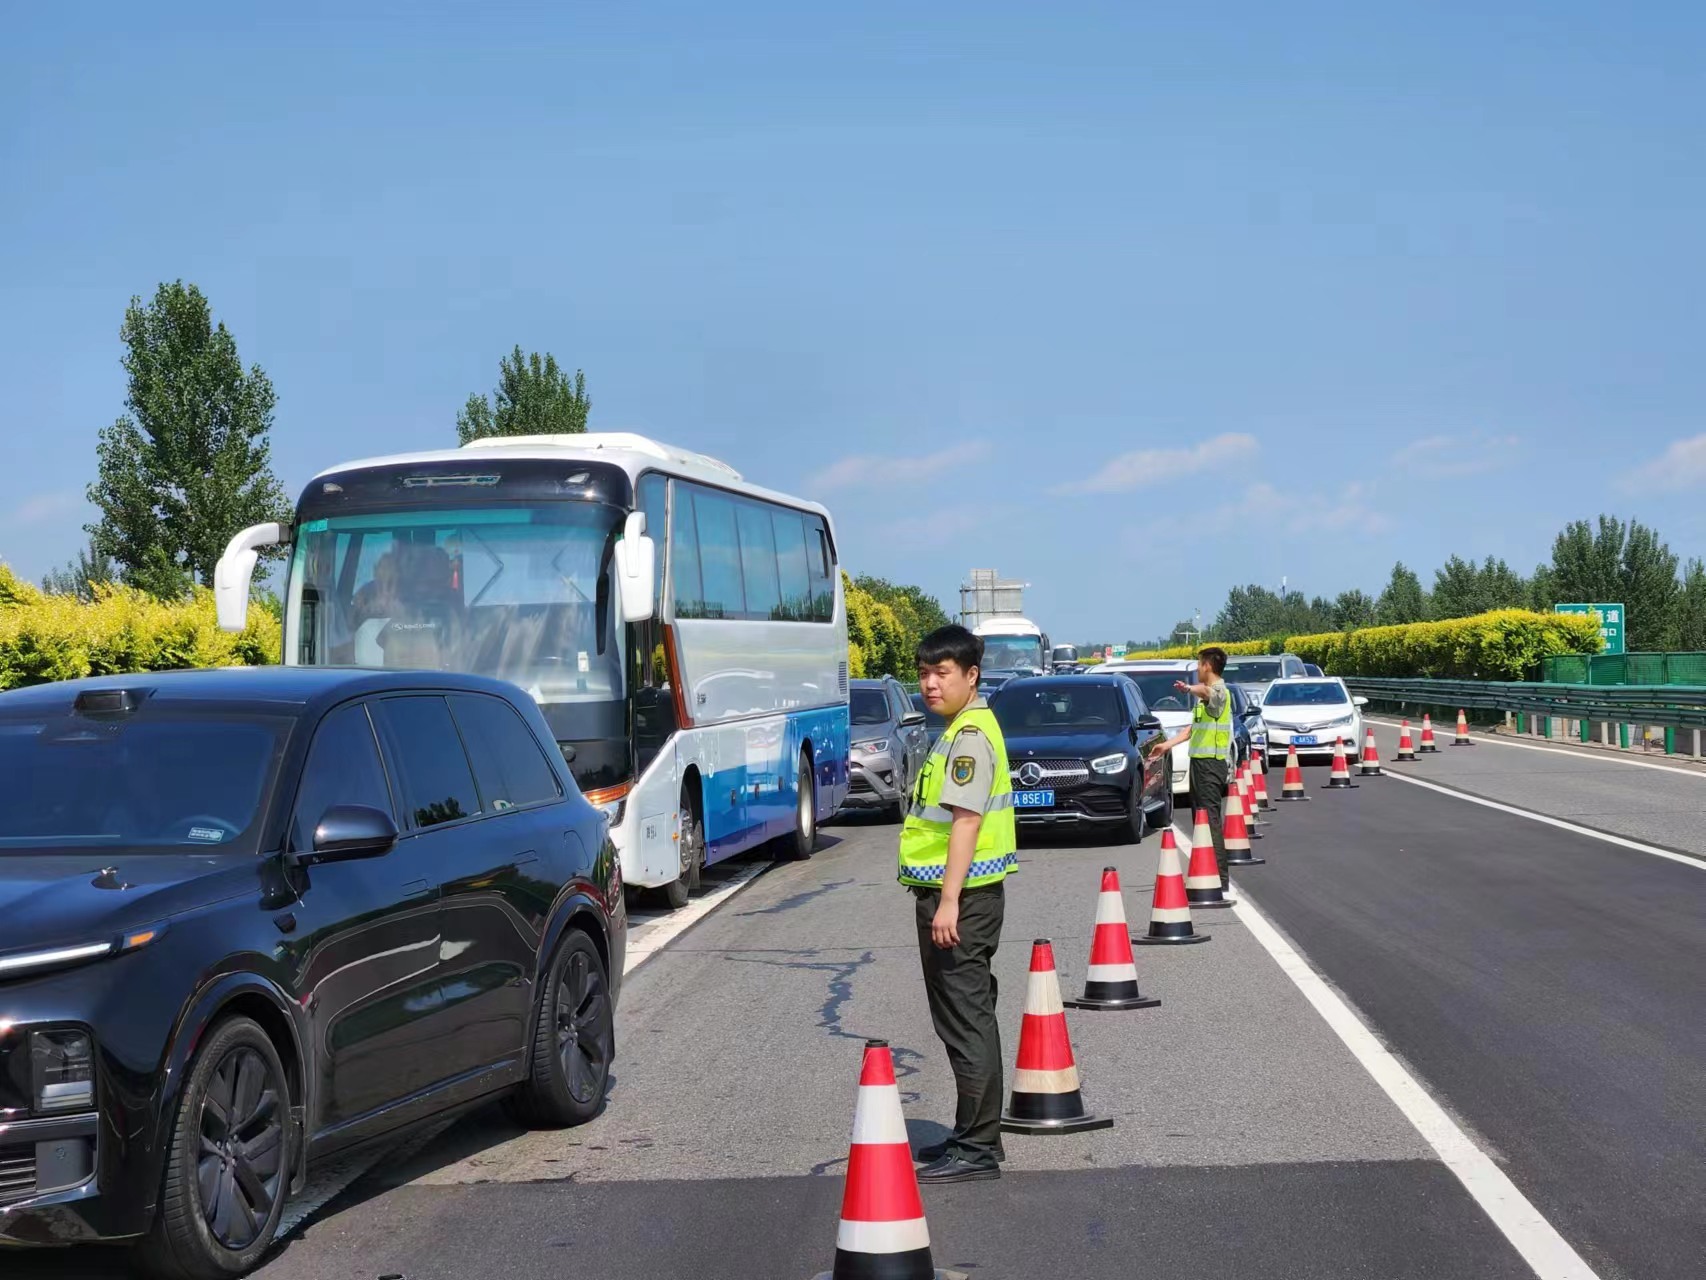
{"points": [[1545, 986]]}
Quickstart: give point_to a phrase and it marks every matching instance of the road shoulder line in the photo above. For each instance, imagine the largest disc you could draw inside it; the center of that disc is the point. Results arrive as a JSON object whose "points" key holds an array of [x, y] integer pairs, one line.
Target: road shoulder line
{"points": [[1546, 1252], [1562, 824], [678, 922]]}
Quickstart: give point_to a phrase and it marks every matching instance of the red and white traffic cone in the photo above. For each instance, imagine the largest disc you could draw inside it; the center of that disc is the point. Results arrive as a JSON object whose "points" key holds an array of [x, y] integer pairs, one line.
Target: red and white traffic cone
{"points": [[1046, 1097], [1291, 786], [1235, 835], [1340, 778], [1462, 739], [882, 1235], [1429, 746], [1170, 916], [1259, 779], [1111, 980], [1247, 798], [1406, 748], [1202, 877], [1369, 765]]}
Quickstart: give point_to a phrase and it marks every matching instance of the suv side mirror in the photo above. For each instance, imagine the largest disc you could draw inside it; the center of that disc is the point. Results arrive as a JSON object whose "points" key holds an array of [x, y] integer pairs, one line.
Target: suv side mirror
{"points": [[1250, 713], [1149, 720], [912, 718], [349, 831], [1360, 700], [636, 569]]}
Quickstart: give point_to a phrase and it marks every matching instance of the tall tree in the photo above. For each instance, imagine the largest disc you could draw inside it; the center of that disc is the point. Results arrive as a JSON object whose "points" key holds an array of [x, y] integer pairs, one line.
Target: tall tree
{"points": [[1353, 609], [1403, 600], [1691, 608], [1628, 564], [82, 576], [534, 396], [189, 464]]}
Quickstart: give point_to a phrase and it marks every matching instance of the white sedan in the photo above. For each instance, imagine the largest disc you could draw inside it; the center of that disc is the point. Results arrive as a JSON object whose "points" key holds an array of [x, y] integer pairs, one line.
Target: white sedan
{"points": [[1312, 715]]}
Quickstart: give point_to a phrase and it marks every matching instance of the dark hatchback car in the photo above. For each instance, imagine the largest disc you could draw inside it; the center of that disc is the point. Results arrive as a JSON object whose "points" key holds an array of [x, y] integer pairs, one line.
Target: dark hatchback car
{"points": [[1079, 748], [253, 917]]}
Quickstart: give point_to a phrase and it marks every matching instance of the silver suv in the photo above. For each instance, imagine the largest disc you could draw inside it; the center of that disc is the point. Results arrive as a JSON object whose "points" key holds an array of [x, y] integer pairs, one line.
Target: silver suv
{"points": [[889, 743], [1259, 670]]}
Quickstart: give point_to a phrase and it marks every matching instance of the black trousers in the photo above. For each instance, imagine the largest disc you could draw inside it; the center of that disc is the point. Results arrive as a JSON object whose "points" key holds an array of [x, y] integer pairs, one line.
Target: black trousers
{"points": [[1208, 791], [961, 986]]}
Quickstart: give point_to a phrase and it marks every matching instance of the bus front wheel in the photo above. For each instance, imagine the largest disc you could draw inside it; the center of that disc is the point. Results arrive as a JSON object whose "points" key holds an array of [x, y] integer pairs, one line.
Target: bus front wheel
{"points": [[803, 842], [677, 892]]}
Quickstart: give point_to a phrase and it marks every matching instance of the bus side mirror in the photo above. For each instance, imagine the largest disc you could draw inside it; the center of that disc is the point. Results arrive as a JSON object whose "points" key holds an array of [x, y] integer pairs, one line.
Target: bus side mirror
{"points": [[236, 569], [636, 569]]}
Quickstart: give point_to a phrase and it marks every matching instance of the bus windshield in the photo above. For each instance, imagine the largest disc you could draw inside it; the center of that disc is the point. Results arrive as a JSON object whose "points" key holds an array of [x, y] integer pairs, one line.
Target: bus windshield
{"points": [[519, 593], [1012, 653]]}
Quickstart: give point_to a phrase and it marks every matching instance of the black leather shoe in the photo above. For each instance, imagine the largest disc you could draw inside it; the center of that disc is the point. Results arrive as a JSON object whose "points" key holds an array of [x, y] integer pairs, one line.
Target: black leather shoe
{"points": [[954, 1169], [936, 1150]]}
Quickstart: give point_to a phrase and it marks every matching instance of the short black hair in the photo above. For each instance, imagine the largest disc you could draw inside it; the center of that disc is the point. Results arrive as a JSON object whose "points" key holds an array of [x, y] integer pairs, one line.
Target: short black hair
{"points": [[951, 643], [1215, 657]]}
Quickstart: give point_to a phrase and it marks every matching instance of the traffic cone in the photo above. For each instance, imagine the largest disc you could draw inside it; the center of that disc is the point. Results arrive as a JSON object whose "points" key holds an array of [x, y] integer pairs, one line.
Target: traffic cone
{"points": [[1369, 765], [1406, 748], [1202, 877], [1340, 779], [1259, 779], [882, 1235], [1462, 739], [1291, 786], [1236, 835], [1046, 1097], [1247, 798], [1170, 916], [1111, 980], [1429, 746]]}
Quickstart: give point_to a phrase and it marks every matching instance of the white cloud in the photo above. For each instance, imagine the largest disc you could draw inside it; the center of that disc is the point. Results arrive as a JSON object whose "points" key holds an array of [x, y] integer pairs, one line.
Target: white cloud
{"points": [[866, 469], [941, 524], [1442, 457], [41, 507], [1143, 467], [1351, 510], [1681, 466]]}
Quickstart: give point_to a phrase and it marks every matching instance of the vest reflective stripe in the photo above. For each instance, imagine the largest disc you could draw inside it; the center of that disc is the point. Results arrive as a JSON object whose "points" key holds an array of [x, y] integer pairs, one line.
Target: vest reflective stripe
{"points": [[1211, 738], [924, 837]]}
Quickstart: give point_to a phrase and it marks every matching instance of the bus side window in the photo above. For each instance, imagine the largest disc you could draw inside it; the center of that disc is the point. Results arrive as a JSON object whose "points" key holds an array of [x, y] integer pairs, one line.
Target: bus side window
{"points": [[684, 555], [822, 566], [651, 693]]}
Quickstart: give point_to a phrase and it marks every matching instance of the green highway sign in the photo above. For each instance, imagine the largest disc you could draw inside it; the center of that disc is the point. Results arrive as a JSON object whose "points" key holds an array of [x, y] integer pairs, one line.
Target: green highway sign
{"points": [[1610, 622]]}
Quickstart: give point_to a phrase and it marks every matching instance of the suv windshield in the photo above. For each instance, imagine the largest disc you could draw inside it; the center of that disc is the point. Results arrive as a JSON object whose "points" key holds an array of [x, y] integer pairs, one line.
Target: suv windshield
{"points": [[1158, 691], [1057, 708], [177, 781], [1306, 693], [870, 706], [1245, 671], [517, 592]]}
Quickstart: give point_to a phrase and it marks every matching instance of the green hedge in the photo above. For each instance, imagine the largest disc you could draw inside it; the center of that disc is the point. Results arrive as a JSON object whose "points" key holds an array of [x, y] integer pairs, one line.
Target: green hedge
{"points": [[45, 638], [1507, 644]]}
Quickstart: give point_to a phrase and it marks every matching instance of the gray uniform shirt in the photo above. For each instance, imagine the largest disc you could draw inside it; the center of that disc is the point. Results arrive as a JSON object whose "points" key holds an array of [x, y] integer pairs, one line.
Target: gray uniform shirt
{"points": [[970, 768]]}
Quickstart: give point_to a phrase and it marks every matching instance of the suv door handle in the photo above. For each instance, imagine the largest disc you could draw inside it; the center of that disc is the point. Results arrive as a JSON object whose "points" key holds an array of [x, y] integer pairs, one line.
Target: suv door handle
{"points": [[416, 889]]}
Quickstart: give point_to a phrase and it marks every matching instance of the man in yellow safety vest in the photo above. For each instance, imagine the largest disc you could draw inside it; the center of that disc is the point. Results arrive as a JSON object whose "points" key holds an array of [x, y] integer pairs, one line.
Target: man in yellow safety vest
{"points": [[1210, 736], [956, 850]]}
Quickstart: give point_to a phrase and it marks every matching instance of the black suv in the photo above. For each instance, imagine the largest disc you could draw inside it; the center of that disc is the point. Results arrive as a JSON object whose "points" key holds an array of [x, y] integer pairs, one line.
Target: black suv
{"points": [[253, 917], [1079, 751]]}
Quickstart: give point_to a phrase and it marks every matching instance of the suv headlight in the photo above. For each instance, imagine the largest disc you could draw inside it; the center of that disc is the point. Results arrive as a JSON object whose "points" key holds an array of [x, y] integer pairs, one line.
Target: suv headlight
{"points": [[1109, 764], [62, 1067], [875, 747]]}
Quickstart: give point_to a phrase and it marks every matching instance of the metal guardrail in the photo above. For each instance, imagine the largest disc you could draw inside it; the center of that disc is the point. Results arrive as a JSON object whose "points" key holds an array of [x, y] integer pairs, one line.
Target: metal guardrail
{"points": [[1669, 707]]}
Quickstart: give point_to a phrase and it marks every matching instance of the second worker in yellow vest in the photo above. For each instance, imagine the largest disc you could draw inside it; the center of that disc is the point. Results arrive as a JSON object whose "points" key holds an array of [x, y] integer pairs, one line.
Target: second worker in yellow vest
{"points": [[956, 850], [1210, 737]]}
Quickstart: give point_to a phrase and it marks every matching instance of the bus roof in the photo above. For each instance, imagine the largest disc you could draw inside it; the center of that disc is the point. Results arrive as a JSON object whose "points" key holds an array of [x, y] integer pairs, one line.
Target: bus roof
{"points": [[1009, 626], [632, 452]]}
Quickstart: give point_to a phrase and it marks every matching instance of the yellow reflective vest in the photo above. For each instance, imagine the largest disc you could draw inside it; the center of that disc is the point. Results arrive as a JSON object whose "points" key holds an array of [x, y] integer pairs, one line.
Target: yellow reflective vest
{"points": [[1211, 736], [924, 837]]}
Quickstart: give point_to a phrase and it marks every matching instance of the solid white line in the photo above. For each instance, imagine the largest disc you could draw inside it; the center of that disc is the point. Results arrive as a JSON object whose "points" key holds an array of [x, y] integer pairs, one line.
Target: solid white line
{"points": [[1575, 827], [676, 923], [1547, 1253], [1558, 749]]}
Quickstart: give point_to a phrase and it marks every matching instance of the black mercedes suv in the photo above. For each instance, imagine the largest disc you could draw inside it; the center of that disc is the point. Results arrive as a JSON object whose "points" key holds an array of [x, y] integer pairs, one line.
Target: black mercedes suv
{"points": [[249, 918], [1079, 751]]}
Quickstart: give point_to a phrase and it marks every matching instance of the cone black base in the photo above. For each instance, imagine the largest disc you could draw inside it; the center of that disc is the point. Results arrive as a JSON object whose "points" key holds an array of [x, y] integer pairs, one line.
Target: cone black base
{"points": [[1428, 751], [1134, 1002], [1246, 862], [1209, 906], [1041, 1128], [888, 1266], [1296, 797], [1340, 786], [1405, 759], [1189, 937]]}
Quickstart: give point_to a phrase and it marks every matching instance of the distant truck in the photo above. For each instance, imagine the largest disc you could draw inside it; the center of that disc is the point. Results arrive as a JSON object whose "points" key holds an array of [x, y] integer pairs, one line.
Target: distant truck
{"points": [[1013, 644], [1063, 657]]}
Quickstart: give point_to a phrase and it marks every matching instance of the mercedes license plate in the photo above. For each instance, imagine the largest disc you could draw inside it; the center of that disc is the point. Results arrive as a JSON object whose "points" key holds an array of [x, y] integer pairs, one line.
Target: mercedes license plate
{"points": [[1303, 740], [1033, 800]]}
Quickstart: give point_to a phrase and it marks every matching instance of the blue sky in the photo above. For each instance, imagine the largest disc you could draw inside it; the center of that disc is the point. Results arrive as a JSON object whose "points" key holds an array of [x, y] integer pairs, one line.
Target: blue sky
{"points": [[1130, 302]]}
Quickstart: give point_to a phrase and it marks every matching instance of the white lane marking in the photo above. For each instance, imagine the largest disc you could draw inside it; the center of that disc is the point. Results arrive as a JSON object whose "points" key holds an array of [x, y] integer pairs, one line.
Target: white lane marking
{"points": [[1547, 1253], [676, 923], [1575, 827], [1557, 749]]}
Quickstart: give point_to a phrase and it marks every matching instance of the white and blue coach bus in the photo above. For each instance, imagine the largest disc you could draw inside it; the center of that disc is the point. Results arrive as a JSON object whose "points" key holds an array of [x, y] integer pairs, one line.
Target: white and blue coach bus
{"points": [[684, 631]]}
